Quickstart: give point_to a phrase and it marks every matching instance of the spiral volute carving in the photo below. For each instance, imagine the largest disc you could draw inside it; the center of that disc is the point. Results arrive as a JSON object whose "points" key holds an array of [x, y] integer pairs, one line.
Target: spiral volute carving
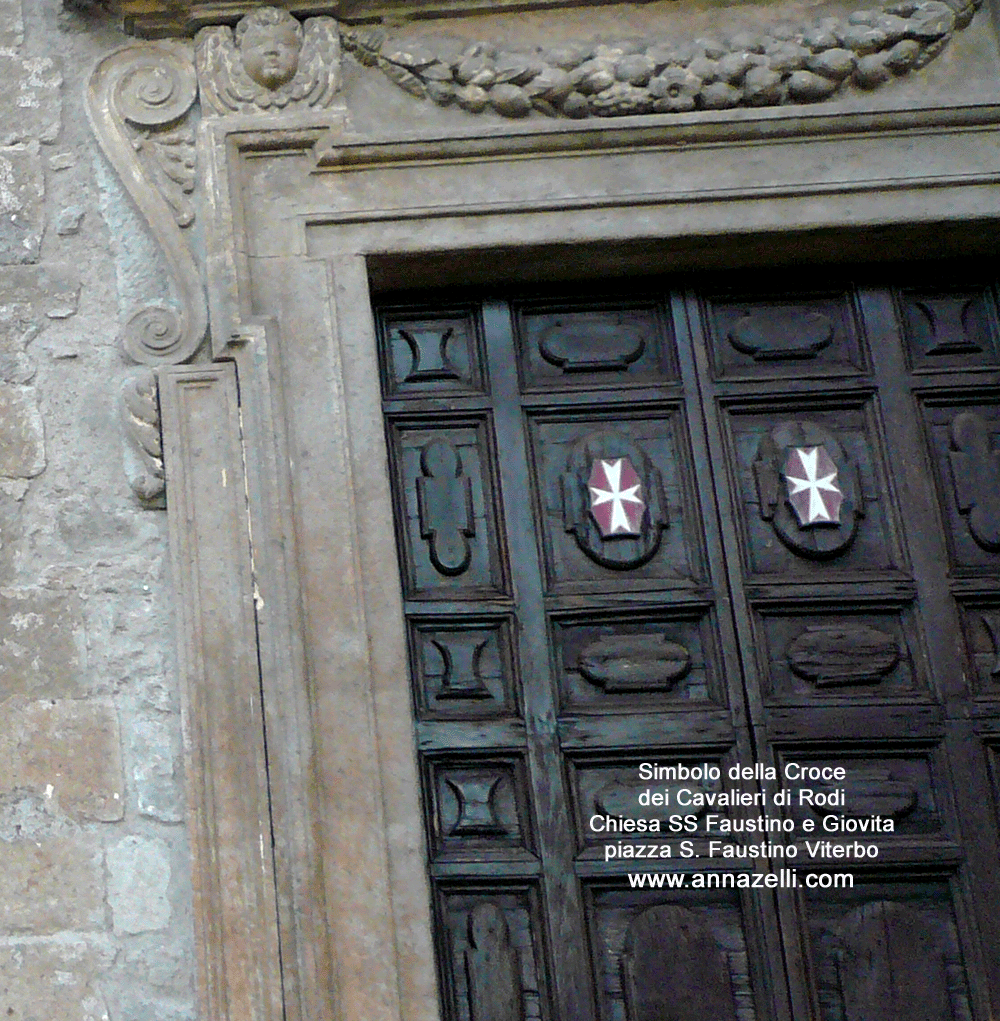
{"points": [[154, 335], [138, 103], [157, 90]]}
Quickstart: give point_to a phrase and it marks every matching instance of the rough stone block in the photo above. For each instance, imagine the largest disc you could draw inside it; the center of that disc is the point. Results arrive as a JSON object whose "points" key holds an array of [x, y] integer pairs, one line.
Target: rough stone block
{"points": [[156, 757], [41, 644], [22, 191], [22, 435], [11, 24], [52, 885], [52, 979], [31, 92], [29, 296], [69, 751], [138, 885]]}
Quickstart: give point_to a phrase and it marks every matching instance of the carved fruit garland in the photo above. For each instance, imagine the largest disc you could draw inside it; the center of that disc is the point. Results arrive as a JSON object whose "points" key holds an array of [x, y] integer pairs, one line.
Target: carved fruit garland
{"points": [[788, 65]]}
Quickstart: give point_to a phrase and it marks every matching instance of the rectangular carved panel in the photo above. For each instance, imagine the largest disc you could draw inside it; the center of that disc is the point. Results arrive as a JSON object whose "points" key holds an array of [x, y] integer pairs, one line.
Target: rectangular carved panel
{"points": [[683, 958], [637, 662], [463, 668], [879, 791], [608, 790], [981, 630], [888, 950], [480, 806], [828, 655], [965, 448], [491, 953], [813, 492], [426, 352], [948, 328], [617, 510], [761, 336], [448, 512], [576, 344]]}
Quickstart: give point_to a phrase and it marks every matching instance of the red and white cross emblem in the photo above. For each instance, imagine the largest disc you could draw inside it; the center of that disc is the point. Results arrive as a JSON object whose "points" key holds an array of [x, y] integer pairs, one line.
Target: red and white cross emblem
{"points": [[616, 501], [811, 476]]}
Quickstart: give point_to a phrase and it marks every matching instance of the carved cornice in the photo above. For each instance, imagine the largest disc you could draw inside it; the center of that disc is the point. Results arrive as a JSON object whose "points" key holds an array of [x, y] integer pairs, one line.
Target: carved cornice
{"points": [[139, 102]]}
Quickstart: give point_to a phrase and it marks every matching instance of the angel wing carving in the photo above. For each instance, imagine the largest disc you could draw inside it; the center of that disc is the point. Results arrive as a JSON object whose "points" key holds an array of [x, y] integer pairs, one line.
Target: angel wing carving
{"points": [[269, 62]]}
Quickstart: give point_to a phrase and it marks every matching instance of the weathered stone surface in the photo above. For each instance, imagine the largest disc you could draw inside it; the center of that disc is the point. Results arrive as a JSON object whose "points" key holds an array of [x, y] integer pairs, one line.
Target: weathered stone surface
{"points": [[69, 219], [53, 979], [155, 752], [11, 24], [22, 189], [138, 885], [52, 885], [31, 89], [30, 296], [41, 644], [69, 751], [22, 436]]}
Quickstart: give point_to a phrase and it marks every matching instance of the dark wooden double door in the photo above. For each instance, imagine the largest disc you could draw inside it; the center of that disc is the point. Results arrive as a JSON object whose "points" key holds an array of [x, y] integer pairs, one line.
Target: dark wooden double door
{"points": [[721, 522]]}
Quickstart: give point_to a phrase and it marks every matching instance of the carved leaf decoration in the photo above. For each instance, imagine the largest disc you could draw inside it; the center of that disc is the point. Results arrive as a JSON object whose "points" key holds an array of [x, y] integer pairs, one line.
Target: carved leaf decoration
{"points": [[673, 968], [599, 345], [832, 655], [139, 409], [444, 502], [873, 792], [975, 469], [781, 334], [892, 966], [172, 164], [633, 663], [810, 64], [148, 90], [492, 967]]}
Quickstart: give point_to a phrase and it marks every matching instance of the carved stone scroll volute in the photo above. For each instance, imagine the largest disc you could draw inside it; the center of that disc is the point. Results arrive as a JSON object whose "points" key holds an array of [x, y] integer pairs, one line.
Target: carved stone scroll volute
{"points": [[492, 967], [138, 102]]}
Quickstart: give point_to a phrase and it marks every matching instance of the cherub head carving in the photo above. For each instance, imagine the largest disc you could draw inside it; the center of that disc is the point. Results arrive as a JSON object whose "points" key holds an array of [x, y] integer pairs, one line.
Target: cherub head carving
{"points": [[270, 62], [269, 41]]}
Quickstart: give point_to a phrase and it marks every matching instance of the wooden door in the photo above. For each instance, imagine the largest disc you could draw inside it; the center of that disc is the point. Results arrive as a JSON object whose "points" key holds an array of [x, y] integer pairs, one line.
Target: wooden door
{"points": [[706, 525]]}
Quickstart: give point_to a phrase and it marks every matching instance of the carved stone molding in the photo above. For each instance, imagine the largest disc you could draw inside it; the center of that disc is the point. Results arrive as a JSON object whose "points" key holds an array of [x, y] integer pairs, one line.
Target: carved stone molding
{"points": [[270, 61], [139, 410], [791, 64], [139, 101]]}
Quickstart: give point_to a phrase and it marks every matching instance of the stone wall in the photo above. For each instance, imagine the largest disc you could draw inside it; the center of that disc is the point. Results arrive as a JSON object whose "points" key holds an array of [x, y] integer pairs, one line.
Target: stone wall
{"points": [[95, 916]]}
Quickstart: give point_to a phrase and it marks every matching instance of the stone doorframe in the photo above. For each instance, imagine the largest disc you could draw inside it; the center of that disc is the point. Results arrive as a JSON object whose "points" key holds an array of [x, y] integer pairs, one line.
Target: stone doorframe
{"points": [[311, 899]]}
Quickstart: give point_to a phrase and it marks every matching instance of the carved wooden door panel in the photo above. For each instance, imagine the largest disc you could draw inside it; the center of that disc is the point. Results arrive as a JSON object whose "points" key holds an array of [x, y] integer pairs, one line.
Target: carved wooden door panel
{"points": [[708, 526]]}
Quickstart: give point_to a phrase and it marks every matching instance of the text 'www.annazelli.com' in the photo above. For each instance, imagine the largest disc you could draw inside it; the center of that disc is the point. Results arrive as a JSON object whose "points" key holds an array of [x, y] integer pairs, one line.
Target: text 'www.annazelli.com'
{"points": [[782, 879]]}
